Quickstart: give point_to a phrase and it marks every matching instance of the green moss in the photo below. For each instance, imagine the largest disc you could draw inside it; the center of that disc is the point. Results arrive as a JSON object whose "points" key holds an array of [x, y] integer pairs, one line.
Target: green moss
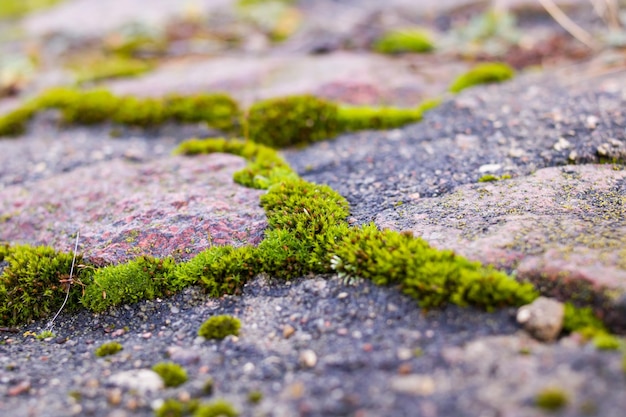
{"points": [[492, 178], [255, 397], [108, 349], [141, 279], [493, 72], [404, 40], [13, 9], [109, 67], [170, 408], [45, 334], [289, 121], [219, 408], [551, 399], [34, 283], [97, 106], [361, 118], [218, 327], [219, 269], [606, 342], [583, 320], [172, 374]]}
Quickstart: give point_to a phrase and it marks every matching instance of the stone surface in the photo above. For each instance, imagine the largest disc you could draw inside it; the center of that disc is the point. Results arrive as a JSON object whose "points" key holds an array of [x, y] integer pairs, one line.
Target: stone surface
{"points": [[543, 318], [142, 380]]}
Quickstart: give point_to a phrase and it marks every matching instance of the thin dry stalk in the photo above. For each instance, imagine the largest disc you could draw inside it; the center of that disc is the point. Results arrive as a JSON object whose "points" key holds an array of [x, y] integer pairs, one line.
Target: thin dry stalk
{"points": [[69, 286], [568, 24]]}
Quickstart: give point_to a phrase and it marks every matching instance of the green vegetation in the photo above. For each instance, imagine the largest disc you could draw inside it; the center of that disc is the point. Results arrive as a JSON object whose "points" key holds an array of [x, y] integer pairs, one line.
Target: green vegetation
{"points": [[173, 375], [97, 106], [175, 408], [493, 72], [143, 278], [109, 348], [45, 334], [404, 40], [13, 9], [108, 67], [606, 342], [492, 178], [255, 397], [34, 283], [583, 321], [218, 327], [218, 408], [551, 399], [300, 120]]}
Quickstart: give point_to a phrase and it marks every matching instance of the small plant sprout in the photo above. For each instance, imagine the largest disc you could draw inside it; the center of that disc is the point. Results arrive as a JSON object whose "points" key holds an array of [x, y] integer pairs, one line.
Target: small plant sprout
{"points": [[45, 334]]}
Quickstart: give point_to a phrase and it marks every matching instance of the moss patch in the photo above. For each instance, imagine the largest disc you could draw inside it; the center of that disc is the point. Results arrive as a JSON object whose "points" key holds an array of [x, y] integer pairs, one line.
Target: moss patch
{"points": [[493, 72], [109, 348], [551, 399], [97, 68], [34, 283], [404, 40], [218, 408], [172, 374], [218, 327], [97, 106]]}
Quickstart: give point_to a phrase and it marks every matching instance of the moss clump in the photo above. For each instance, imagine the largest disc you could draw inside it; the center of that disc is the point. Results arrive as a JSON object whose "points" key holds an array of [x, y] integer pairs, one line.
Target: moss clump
{"points": [[34, 283], [174, 408], [45, 334], [551, 399], [108, 349], [217, 110], [173, 375], [288, 121], [219, 408], [218, 327], [582, 320], [493, 72], [14, 123], [404, 40], [144, 113], [143, 278], [220, 269], [255, 397]]}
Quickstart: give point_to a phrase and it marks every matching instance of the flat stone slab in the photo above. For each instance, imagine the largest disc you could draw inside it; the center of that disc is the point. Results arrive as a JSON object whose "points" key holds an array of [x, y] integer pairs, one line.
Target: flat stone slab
{"points": [[171, 206], [351, 77], [563, 228]]}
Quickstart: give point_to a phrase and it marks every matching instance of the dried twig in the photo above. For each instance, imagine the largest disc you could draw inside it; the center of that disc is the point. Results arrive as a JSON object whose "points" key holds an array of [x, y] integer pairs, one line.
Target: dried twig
{"points": [[568, 24], [69, 286]]}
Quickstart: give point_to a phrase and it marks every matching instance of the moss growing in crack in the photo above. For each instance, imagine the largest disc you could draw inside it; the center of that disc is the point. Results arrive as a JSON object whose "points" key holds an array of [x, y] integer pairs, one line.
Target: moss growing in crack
{"points": [[143, 278], [551, 399], [431, 276], [108, 349], [300, 120], [265, 166], [404, 40], [493, 72], [295, 120], [34, 283], [218, 408], [219, 269], [172, 374], [99, 105], [218, 327]]}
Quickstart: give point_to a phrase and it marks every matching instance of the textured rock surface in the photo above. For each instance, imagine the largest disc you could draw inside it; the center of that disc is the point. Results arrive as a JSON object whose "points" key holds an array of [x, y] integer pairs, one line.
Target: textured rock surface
{"points": [[543, 318]]}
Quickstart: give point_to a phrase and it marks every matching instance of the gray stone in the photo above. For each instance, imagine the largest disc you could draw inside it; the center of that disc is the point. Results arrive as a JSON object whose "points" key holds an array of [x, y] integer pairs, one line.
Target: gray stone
{"points": [[543, 318]]}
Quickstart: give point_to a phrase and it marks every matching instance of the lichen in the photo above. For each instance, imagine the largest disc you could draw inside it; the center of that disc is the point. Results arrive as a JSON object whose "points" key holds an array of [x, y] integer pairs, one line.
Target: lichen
{"points": [[404, 40], [218, 327], [172, 374], [108, 349], [493, 72]]}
